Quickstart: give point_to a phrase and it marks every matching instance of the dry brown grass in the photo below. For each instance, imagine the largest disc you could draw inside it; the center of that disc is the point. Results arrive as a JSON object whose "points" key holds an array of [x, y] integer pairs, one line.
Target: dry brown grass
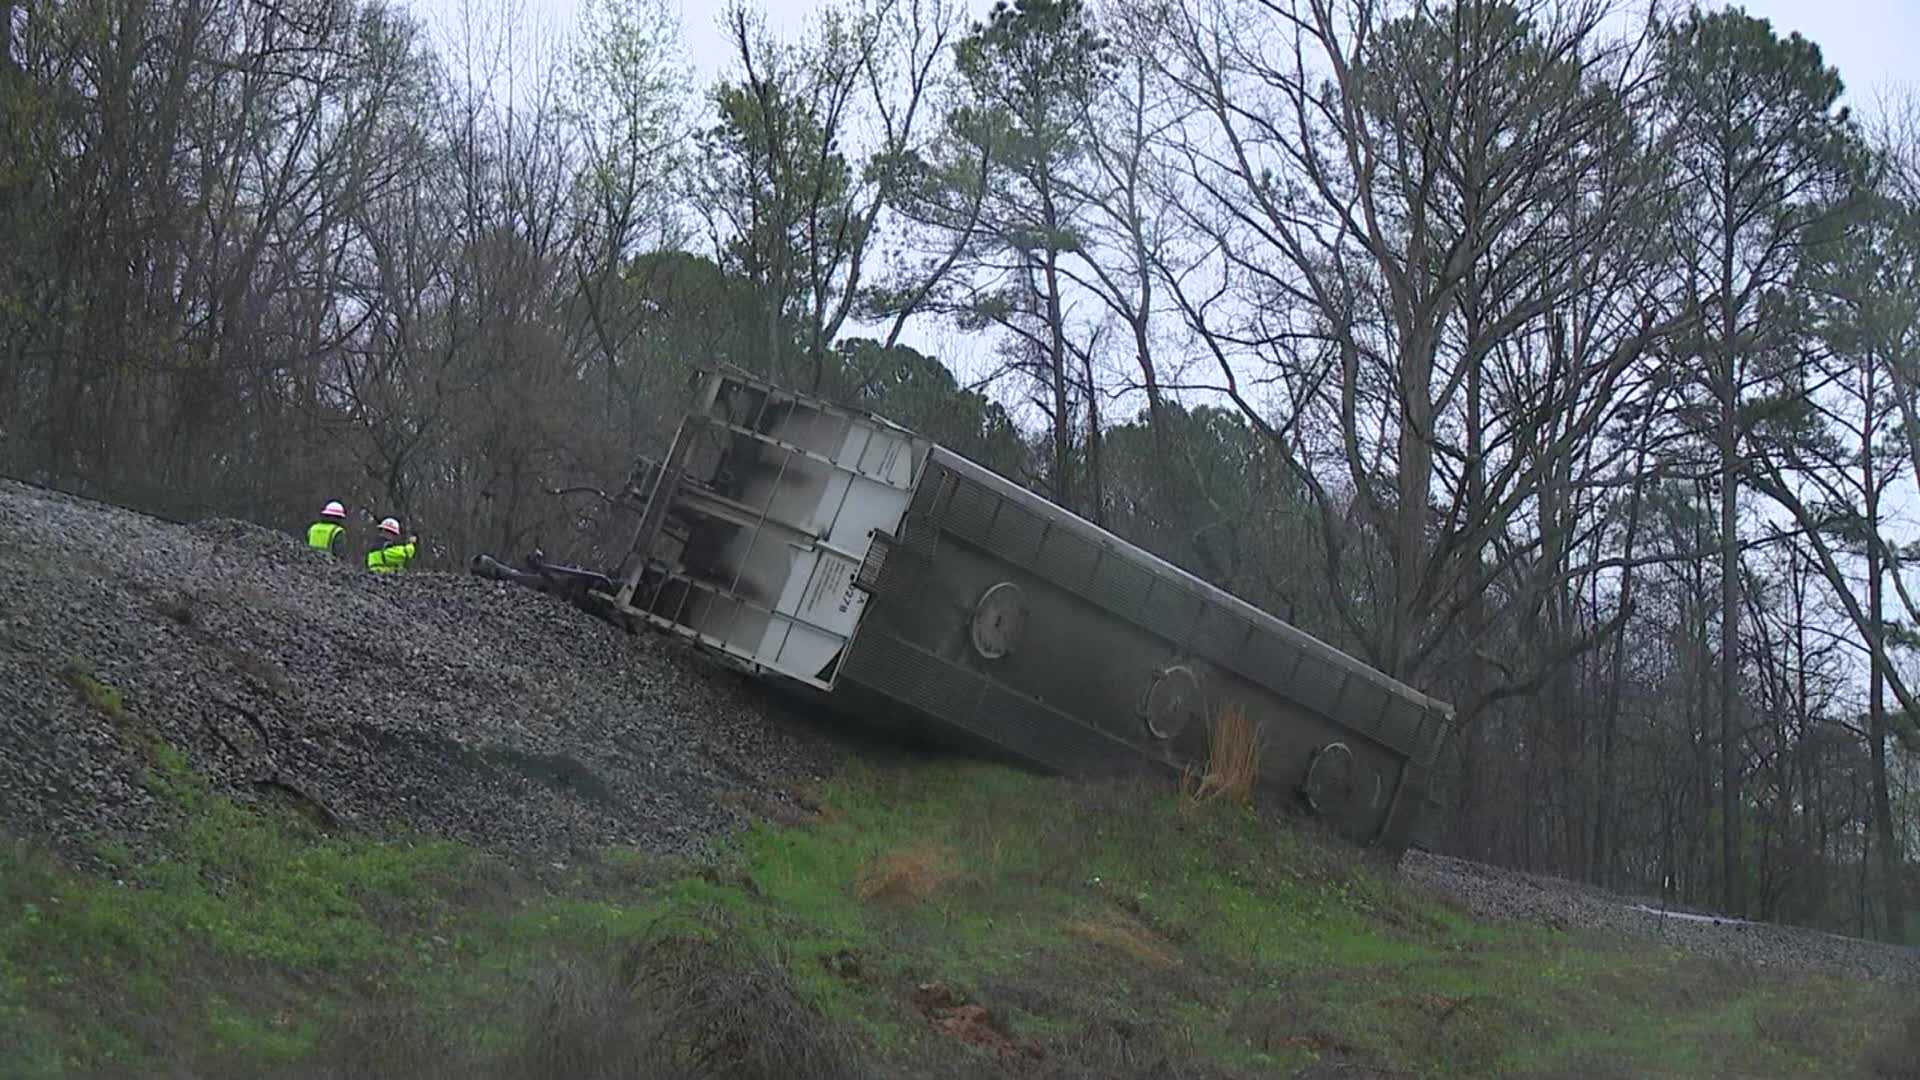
{"points": [[1117, 932], [1233, 760], [907, 875], [724, 1011]]}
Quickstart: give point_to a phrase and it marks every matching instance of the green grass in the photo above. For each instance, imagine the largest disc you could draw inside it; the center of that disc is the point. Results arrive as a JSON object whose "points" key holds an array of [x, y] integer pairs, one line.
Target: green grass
{"points": [[1103, 927], [101, 697], [239, 896]]}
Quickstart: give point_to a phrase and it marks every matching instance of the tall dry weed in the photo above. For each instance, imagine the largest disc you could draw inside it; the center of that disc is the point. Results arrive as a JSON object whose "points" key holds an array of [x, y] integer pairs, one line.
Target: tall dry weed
{"points": [[1233, 760]]}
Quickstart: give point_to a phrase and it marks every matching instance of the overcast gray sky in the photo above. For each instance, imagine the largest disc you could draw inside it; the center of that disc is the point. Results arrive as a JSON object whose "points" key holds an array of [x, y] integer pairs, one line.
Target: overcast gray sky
{"points": [[1872, 42]]}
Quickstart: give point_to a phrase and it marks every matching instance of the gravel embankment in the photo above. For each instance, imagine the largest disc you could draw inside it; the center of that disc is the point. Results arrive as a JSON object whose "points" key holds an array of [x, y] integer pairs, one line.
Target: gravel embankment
{"points": [[430, 702], [1494, 893], [447, 705]]}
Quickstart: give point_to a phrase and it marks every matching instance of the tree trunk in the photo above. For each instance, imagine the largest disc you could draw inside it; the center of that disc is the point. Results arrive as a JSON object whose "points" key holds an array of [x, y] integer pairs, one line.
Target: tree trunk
{"points": [[1700, 870], [1160, 477], [1096, 496], [1860, 889], [1415, 479], [1805, 746], [1876, 689], [1057, 371], [1610, 719], [1468, 839], [1729, 598]]}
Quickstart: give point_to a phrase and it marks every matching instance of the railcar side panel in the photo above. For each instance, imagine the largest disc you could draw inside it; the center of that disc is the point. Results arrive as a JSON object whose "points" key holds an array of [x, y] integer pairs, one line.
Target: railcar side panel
{"points": [[910, 585]]}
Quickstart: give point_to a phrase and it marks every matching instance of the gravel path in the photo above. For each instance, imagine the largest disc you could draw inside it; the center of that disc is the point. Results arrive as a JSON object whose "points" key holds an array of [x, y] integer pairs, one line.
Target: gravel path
{"points": [[434, 702], [1494, 893]]}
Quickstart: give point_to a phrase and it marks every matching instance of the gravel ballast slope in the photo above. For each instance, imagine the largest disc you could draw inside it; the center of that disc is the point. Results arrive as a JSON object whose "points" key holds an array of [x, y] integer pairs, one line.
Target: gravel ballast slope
{"points": [[422, 701], [474, 710], [1495, 893]]}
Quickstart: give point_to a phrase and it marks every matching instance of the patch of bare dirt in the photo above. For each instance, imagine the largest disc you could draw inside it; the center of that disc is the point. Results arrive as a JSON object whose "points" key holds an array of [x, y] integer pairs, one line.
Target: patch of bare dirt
{"points": [[970, 1023]]}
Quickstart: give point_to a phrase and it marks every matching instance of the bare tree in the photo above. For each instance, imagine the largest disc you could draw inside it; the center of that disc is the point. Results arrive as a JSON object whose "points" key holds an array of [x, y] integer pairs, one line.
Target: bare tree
{"points": [[788, 204], [1399, 214], [1003, 192], [1764, 158], [626, 102]]}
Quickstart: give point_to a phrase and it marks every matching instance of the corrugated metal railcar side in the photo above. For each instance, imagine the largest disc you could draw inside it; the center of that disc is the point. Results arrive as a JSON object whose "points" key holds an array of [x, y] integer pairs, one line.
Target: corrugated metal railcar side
{"points": [[1097, 651], [847, 555]]}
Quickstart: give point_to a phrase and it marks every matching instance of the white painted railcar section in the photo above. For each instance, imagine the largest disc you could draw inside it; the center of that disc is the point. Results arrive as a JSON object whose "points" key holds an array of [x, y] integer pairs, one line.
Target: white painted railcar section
{"points": [[778, 592], [865, 484]]}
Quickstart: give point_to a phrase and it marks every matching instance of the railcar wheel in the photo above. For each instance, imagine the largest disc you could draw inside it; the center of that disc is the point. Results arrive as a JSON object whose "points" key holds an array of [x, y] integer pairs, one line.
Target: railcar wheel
{"points": [[1332, 779], [1173, 701], [998, 618]]}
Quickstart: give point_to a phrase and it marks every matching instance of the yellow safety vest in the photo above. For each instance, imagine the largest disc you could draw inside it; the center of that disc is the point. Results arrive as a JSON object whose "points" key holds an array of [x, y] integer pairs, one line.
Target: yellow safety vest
{"points": [[322, 534], [386, 560]]}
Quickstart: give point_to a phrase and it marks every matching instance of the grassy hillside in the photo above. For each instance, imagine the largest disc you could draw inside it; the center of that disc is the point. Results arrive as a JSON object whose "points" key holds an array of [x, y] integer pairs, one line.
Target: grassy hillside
{"points": [[929, 919]]}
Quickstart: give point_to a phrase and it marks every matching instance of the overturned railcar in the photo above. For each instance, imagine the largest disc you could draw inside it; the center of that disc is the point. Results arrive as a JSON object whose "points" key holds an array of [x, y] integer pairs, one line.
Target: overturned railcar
{"points": [[905, 583]]}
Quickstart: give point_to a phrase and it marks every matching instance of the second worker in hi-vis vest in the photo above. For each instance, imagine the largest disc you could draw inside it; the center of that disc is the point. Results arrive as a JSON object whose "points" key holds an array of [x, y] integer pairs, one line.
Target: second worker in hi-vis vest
{"points": [[393, 554]]}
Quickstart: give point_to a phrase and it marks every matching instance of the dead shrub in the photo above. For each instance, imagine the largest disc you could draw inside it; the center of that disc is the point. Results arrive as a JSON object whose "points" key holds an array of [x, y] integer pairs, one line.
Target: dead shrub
{"points": [[584, 1023], [719, 1012], [1234, 742], [910, 875]]}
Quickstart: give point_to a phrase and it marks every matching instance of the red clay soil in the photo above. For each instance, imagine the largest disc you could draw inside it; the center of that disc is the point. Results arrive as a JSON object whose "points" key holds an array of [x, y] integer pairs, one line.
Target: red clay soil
{"points": [[971, 1024]]}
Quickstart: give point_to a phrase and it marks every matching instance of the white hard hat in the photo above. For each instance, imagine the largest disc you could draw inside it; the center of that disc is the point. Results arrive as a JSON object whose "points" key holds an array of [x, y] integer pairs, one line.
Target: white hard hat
{"points": [[390, 526], [333, 510]]}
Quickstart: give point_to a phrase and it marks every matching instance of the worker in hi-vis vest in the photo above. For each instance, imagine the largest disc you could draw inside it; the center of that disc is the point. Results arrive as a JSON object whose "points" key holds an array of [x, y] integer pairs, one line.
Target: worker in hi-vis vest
{"points": [[328, 533], [392, 555]]}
